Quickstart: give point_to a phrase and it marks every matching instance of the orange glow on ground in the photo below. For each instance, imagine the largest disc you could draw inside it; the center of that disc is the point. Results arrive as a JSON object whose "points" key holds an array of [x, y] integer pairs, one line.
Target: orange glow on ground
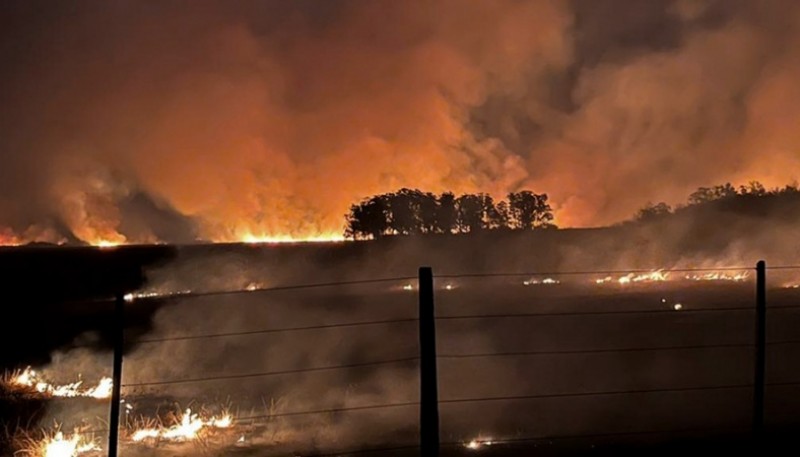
{"points": [[325, 238]]}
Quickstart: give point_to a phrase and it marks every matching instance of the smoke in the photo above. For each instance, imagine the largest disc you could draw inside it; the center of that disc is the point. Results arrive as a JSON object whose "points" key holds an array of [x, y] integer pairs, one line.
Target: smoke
{"points": [[480, 377], [271, 118]]}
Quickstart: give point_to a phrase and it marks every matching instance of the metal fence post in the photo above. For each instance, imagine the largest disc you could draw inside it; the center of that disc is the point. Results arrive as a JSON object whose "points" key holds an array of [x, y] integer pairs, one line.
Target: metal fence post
{"points": [[760, 349], [429, 396], [119, 342]]}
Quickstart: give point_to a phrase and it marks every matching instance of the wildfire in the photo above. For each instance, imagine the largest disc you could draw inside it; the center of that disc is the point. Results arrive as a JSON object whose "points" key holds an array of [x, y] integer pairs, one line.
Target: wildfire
{"points": [[478, 443], [719, 276], [7, 238], [110, 240], [60, 445], [106, 244], [186, 428], [323, 238], [661, 276], [545, 281], [29, 379], [653, 276]]}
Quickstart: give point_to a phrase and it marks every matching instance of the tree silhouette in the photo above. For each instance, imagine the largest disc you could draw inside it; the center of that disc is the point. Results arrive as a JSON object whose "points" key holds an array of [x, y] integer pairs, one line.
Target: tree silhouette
{"points": [[428, 208], [404, 211], [369, 219], [528, 210], [708, 194], [651, 212], [499, 216], [411, 211], [446, 217], [753, 188], [470, 213]]}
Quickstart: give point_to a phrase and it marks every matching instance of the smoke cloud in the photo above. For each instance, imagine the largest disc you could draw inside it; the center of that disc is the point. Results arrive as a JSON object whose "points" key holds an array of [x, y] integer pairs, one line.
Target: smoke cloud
{"points": [[238, 119]]}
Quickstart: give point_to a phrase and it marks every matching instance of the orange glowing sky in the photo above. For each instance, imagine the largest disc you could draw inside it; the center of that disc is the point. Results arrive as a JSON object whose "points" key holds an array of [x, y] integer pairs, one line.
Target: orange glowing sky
{"points": [[264, 120]]}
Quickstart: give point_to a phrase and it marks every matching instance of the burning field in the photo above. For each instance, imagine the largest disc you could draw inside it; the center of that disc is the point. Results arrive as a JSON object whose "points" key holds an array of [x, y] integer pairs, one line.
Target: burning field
{"points": [[239, 362], [238, 196]]}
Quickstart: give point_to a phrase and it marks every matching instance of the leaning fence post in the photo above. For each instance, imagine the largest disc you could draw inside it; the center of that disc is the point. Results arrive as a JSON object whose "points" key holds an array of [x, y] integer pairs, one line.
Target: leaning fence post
{"points": [[760, 349], [119, 341], [429, 396]]}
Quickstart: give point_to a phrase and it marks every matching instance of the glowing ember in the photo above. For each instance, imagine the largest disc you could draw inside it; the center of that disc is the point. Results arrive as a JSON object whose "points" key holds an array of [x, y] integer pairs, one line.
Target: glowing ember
{"points": [[187, 428], [477, 444], [29, 379]]}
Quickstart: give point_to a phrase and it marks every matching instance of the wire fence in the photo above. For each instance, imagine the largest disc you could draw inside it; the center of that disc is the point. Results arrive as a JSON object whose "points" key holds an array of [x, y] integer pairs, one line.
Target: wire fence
{"points": [[519, 318]]}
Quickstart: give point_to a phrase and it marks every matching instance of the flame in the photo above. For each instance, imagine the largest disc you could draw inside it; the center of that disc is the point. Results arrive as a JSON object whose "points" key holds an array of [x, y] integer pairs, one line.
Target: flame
{"points": [[60, 445], [478, 443], [661, 276], [8, 238], [545, 281], [719, 276], [272, 239], [31, 379], [254, 286], [187, 428], [653, 276], [106, 244], [102, 389], [112, 240]]}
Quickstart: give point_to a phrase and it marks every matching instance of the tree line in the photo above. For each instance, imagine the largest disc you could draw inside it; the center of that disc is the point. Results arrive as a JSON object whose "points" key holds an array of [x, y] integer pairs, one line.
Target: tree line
{"points": [[411, 211], [705, 195]]}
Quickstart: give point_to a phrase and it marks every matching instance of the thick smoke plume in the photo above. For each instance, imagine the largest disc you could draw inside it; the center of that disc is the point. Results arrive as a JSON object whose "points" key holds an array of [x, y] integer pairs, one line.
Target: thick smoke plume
{"points": [[139, 122]]}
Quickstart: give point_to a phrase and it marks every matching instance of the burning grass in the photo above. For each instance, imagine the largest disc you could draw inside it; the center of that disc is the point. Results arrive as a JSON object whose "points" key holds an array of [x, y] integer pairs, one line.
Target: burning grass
{"points": [[661, 276], [542, 281], [736, 276], [631, 278], [29, 382], [56, 443], [175, 427], [179, 427]]}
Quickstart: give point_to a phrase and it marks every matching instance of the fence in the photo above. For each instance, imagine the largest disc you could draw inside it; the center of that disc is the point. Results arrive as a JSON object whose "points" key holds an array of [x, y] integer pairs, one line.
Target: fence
{"points": [[428, 357]]}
